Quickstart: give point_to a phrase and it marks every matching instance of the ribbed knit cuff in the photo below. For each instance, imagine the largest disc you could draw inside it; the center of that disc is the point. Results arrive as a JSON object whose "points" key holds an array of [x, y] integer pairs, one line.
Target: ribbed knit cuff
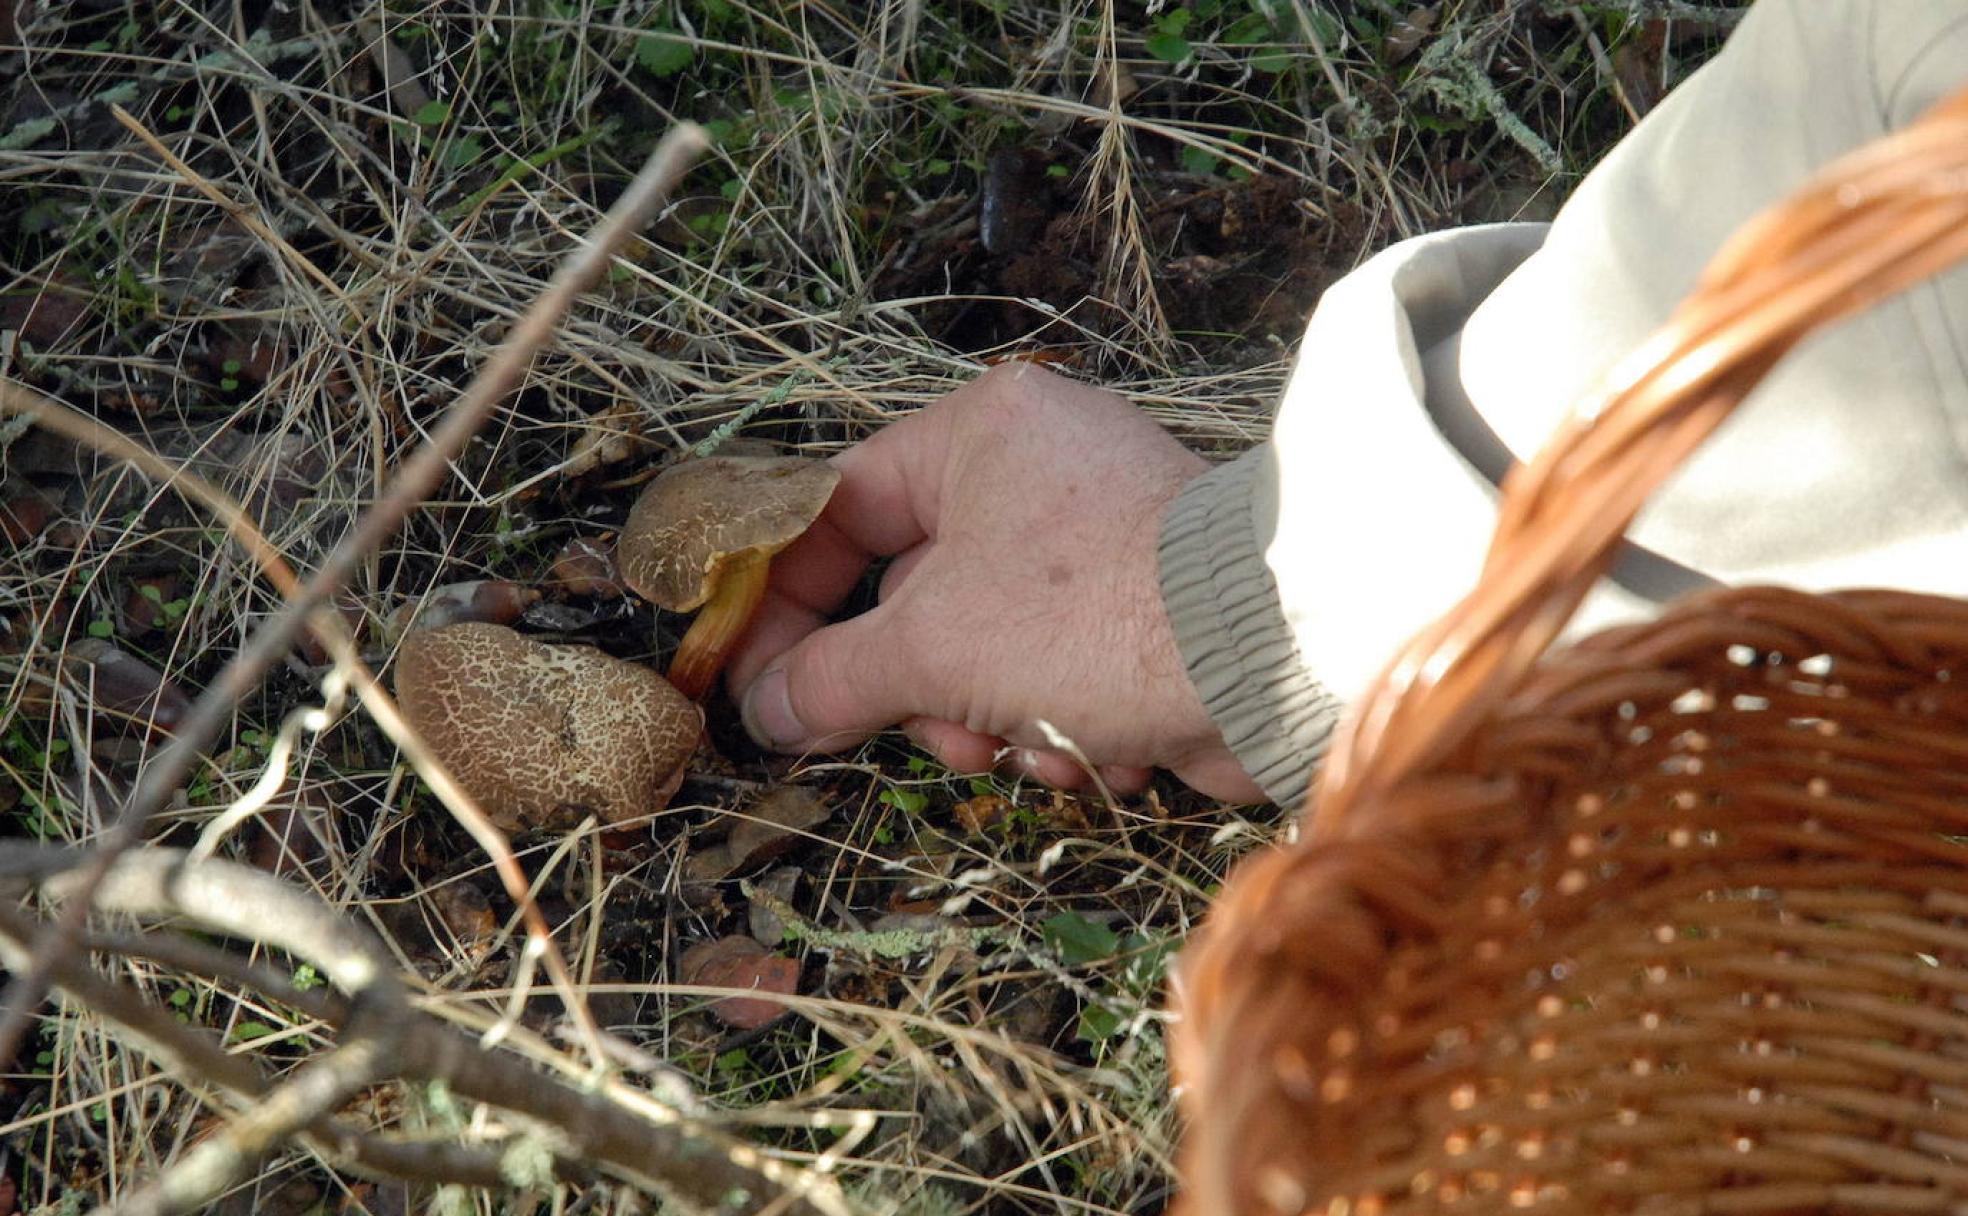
{"points": [[1223, 605]]}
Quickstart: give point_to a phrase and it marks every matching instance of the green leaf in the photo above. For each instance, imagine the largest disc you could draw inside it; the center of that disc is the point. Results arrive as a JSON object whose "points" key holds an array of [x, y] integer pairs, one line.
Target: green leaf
{"points": [[909, 802], [1273, 61], [431, 113], [1077, 940], [179, 998], [246, 1032], [101, 629], [662, 53], [1169, 48], [463, 152], [1097, 1024], [1198, 160], [1175, 21], [1246, 30]]}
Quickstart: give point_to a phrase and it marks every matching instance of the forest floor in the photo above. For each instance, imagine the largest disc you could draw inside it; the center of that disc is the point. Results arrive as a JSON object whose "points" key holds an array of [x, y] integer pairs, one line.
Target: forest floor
{"points": [[1150, 197]]}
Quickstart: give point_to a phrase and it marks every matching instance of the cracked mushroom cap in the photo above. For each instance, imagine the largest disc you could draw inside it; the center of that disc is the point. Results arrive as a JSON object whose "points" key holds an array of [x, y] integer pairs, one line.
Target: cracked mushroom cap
{"points": [[536, 732], [699, 516]]}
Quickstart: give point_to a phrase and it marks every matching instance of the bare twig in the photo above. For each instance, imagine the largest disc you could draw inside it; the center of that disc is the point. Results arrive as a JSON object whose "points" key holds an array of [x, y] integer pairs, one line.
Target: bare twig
{"points": [[214, 1164], [695, 1163], [413, 481], [196, 1057]]}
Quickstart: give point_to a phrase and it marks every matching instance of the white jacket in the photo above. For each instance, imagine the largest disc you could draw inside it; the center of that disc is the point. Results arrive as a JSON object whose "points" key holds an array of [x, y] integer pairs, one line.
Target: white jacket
{"points": [[1294, 572]]}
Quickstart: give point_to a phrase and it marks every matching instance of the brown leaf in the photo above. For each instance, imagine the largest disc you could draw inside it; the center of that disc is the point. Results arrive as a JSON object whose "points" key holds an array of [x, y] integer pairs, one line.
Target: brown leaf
{"points": [[398, 69], [740, 962], [49, 315], [142, 613], [1410, 32], [766, 830], [280, 840], [492, 600], [980, 814], [775, 823], [766, 925], [124, 687], [585, 566], [466, 914], [24, 511], [248, 357], [612, 435]]}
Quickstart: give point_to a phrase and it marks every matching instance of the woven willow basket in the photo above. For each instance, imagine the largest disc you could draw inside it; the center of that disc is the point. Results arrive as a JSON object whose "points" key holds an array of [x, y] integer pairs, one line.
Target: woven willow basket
{"points": [[1674, 920]]}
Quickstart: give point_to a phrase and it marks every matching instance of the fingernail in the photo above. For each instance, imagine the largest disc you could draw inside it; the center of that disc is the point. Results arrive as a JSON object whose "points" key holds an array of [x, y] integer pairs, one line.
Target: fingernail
{"points": [[768, 712]]}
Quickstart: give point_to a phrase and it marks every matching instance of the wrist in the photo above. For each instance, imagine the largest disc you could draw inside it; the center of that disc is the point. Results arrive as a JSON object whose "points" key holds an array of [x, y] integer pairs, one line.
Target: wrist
{"points": [[1228, 626]]}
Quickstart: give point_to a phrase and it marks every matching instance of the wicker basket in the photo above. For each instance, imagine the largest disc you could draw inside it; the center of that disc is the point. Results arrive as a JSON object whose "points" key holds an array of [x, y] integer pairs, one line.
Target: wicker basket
{"points": [[1674, 920]]}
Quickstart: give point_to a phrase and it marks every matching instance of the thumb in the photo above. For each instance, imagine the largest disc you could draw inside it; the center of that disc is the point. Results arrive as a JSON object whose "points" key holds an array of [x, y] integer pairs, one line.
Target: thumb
{"points": [[833, 689]]}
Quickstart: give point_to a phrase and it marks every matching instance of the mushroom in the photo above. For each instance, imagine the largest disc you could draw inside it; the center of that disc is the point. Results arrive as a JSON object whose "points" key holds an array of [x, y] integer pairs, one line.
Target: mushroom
{"points": [[701, 538], [534, 731]]}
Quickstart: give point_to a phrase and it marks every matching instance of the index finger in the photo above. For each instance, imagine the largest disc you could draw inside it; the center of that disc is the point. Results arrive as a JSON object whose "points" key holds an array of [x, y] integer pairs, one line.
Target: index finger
{"points": [[883, 506]]}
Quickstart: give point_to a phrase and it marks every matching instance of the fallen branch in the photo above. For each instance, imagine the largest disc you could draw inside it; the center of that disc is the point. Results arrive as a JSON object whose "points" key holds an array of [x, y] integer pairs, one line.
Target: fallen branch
{"points": [[688, 1160], [197, 1057]]}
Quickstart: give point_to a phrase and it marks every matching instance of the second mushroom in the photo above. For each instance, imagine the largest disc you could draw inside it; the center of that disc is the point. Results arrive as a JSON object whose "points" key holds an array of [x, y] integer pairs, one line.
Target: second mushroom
{"points": [[702, 537]]}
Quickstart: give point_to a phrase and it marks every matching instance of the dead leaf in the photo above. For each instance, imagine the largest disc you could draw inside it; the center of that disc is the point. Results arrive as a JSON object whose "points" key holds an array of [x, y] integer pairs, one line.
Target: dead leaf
{"points": [[199, 262], [353, 614], [48, 316], [24, 511], [144, 597], [467, 916], [740, 962], [280, 840], [775, 823], [767, 926], [768, 829], [398, 70], [585, 566], [980, 814], [124, 687], [1410, 32], [610, 436], [247, 357], [493, 600]]}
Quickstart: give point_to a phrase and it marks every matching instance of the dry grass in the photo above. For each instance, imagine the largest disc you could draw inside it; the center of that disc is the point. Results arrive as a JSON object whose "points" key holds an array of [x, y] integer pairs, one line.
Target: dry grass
{"points": [[392, 212]]}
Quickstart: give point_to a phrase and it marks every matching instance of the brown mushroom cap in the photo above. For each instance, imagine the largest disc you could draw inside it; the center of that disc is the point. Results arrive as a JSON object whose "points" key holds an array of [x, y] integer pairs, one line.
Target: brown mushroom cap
{"points": [[700, 515], [534, 731]]}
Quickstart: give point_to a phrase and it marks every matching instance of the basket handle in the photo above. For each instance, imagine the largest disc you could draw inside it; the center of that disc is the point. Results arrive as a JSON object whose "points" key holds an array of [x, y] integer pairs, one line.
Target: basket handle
{"points": [[1873, 223]]}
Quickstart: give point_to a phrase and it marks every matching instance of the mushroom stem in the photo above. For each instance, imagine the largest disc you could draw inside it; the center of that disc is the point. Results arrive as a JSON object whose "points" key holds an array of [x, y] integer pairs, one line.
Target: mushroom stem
{"points": [[720, 622]]}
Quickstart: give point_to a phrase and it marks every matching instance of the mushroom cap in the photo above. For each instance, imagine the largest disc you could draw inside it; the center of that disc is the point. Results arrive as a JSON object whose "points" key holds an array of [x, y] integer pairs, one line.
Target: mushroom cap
{"points": [[534, 731], [699, 515]]}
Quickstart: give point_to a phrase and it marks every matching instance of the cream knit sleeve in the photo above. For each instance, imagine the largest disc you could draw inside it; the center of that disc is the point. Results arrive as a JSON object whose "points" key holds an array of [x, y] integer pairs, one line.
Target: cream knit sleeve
{"points": [[1292, 573]]}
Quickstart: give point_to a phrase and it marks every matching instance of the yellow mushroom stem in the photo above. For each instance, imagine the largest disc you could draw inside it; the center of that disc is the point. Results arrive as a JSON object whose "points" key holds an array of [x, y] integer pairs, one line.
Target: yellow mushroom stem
{"points": [[719, 624]]}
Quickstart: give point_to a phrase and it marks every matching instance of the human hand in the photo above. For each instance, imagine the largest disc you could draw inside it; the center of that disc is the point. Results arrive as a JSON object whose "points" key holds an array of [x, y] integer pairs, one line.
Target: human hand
{"points": [[1022, 514]]}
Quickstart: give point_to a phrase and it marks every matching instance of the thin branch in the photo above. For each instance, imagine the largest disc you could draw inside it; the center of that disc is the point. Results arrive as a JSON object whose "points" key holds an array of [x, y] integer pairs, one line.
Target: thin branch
{"points": [[197, 1057], [316, 1088], [413, 482], [693, 1162], [195, 957]]}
